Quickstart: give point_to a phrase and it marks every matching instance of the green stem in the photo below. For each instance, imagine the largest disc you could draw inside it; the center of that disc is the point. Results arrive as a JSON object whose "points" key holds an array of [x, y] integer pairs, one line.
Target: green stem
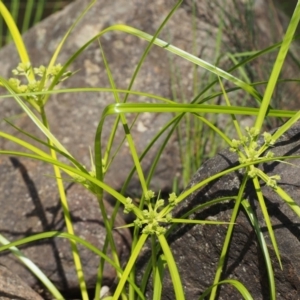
{"points": [[226, 244], [153, 256], [67, 216]]}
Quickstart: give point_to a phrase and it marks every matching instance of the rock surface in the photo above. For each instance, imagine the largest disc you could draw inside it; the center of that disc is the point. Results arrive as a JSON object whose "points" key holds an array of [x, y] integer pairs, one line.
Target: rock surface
{"points": [[33, 206], [13, 287], [73, 117], [197, 248], [28, 198]]}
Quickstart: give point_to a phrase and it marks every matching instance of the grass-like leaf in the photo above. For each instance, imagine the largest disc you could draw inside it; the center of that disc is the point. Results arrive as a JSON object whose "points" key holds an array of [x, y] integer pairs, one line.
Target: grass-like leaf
{"points": [[159, 276], [178, 288], [278, 66], [267, 220], [57, 234], [33, 268], [226, 244], [263, 246], [238, 285], [15, 35], [130, 264]]}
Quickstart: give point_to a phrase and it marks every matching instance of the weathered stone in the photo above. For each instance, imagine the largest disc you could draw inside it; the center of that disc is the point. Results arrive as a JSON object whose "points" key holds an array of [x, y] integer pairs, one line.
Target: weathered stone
{"points": [[73, 117], [13, 287], [33, 206], [197, 248]]}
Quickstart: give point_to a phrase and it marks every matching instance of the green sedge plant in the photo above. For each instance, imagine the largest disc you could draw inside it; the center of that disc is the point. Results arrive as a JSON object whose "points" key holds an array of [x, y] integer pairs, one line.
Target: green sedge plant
{"points": [[27, 13], [153, 215]]}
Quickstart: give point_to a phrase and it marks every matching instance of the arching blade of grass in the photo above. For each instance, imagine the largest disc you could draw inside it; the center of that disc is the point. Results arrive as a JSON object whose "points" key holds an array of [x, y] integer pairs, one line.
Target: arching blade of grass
{"points": [[9, 20], [34, 118], [87, 176], [34, 269], [149, 46], [255, 55], [42, 153], [59, 47], [185, 55], [271, 112], [192, 108], [239, 286], [86, 244]]}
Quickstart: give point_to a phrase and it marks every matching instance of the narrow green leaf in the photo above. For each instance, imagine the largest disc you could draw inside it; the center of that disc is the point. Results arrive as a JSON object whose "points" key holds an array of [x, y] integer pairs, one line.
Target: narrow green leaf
{"points": [[63, 166], [27, 14], [57, 234], [159, 277], [266, 217], [288, 200], [15, 35], [178, 288], [228, 237], [35, 119], [138, 247], [238, 285], [278, 66], [253, 219], [34, 269], [203, 222]]}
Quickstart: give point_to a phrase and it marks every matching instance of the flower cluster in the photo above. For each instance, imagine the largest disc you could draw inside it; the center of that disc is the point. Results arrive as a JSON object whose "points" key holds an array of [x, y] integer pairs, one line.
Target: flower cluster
{"points": [[249, 151], [47, 76], [153, 216]]}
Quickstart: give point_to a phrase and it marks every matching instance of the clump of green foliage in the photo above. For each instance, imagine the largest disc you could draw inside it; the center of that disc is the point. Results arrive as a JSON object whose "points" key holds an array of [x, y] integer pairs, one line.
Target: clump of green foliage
{"points": [[153, 215]]}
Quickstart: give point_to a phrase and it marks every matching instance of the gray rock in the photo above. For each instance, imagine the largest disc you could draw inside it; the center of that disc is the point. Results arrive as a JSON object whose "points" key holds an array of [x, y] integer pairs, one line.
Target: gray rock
{"points": [[33, 206], [13, 287], [197, 249], [73, 117]]}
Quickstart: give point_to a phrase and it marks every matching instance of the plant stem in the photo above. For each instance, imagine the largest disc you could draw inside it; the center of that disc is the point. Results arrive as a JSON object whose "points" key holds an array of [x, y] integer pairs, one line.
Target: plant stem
{"points": [[228, 238], [67, 216]]}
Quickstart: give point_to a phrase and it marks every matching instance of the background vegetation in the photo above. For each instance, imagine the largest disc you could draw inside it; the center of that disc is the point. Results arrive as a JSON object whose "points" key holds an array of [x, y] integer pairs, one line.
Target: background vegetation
{"points": [[26, 13]]}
